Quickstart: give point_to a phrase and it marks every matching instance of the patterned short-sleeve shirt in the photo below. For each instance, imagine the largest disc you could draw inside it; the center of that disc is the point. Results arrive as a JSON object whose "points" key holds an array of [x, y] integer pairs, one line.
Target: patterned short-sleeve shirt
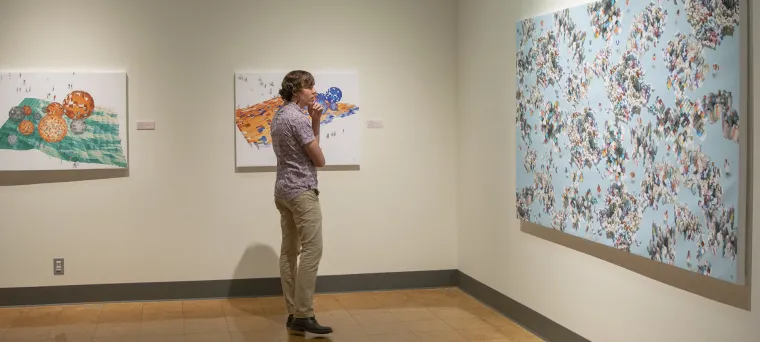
{"points": [[296, 173]]}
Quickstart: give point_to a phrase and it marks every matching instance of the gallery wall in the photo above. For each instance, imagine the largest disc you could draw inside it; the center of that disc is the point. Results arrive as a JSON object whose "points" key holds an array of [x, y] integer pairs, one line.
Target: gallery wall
{"points": [[596, 299], [183, 212]]}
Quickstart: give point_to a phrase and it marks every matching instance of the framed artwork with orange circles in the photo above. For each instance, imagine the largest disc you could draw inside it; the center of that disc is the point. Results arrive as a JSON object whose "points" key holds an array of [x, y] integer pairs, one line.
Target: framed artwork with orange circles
{"points": [[63, 120]]}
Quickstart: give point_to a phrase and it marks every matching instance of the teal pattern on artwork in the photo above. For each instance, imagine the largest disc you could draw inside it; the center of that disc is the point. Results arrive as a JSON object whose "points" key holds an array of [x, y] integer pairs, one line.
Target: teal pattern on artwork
{"points": [[99, 144]]}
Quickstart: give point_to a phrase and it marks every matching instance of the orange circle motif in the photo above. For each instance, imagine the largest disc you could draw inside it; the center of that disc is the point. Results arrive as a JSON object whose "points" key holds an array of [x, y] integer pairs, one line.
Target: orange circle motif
{"points": [[78, 105], [27, 110], [52, 128], [26, 127], [55, 109]]}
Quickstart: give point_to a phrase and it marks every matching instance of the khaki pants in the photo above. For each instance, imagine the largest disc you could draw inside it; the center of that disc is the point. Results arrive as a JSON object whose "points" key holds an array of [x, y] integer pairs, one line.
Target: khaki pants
{"points": [[301, 222]]}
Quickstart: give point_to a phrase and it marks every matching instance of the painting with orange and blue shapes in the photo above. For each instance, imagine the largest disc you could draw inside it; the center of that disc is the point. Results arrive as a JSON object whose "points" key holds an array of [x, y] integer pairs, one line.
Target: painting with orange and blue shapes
{"points": [[257, 100], [628, 128]]}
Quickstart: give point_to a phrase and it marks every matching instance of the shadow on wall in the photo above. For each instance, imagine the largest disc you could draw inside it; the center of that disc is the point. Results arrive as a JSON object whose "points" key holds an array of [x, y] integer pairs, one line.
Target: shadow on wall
{"points": [[257, 273]]}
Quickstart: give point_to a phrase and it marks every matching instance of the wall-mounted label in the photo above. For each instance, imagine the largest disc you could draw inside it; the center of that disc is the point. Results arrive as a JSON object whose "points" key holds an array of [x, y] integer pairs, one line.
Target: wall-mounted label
{"points": [[146, 125], [374, 123]]}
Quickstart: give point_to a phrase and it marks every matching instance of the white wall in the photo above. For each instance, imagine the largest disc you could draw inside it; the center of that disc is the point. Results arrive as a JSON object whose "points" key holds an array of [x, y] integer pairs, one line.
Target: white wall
{"points": [[598, 300], [183, 213]]}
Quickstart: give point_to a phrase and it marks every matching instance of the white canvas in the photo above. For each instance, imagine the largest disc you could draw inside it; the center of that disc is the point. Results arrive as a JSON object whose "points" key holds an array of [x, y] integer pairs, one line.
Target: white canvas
{"points": [[63, 120], [340, 129]]}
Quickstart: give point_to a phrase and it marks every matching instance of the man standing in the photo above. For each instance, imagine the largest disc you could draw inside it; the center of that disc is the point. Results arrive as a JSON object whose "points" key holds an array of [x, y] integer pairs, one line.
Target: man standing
{"points": [[295, 139]]}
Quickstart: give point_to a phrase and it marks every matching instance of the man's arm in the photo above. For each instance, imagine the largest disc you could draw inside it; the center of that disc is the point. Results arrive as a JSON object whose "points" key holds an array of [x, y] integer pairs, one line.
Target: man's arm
{"points": [[315, 128], [309, 137], [315, 153]]}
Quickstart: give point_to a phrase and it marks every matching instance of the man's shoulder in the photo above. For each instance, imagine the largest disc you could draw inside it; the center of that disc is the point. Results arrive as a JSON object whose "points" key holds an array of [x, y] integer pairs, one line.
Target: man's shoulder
{"points": [[290, 114], [290, 109]]}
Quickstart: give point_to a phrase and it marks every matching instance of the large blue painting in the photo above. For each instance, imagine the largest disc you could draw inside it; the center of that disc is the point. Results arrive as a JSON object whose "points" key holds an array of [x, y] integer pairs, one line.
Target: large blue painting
{"points": [[628, 128]]}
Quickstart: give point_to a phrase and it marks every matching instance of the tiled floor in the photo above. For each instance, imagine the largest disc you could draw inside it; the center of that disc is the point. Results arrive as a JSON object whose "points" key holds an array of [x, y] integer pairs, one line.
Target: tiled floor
{"points": [[439, 315]]}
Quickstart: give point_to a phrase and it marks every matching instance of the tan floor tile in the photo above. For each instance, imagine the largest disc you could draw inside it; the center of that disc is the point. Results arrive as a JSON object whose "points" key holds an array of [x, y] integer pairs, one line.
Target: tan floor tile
{"points": [[80, 314], [165, 338], [278, 320], [124, 307], [518, 333], [162, 311], [452, 302], [355, 296], [121, 313], [401, 337], [375, 317], [441, 315], [337, 336], [37, 317], [27, 334], [451, 313], [467, 323], [395, 299], [326, 303], [412, 314], [81, 307], [497, 320], [269, 335], [203, 309], [235, 307], [162, 328], [8, 316], [385, 328], [440, 336], [359, 311], [209, 337], [390, 296], [68, 339], [358, 303], [118, 330], [206, 325], [345, 327], [431, 325], [332, 313], [531, 338], [72, 332], [117, 339], [338, 320], [482, 333], [273, 305], [426, 294], [246, 323], [475, 307], [276, 310]]}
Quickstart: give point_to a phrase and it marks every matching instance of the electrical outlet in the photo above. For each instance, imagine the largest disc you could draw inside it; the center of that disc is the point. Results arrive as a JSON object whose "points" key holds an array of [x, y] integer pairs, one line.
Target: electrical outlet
{"points": [[58, 266]]}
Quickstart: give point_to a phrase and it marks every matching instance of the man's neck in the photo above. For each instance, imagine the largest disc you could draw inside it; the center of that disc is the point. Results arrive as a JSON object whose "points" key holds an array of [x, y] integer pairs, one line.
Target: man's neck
{"points": [[300, 107]]}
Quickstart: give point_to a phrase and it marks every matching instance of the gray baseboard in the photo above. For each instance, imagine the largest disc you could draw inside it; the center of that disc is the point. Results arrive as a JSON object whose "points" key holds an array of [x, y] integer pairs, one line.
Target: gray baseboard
{"points": [[259, 287], [262, 287], [523, 315]]}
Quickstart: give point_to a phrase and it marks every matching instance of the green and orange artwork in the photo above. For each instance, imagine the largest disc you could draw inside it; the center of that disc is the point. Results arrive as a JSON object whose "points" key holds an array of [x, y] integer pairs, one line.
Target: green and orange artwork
{"points": [[72, 130]]}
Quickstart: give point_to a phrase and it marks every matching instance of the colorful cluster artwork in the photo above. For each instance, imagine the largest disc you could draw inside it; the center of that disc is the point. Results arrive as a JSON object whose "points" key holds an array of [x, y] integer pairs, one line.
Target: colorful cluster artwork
{"points": [[628, 116], [257, 100], [63, 120]]}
